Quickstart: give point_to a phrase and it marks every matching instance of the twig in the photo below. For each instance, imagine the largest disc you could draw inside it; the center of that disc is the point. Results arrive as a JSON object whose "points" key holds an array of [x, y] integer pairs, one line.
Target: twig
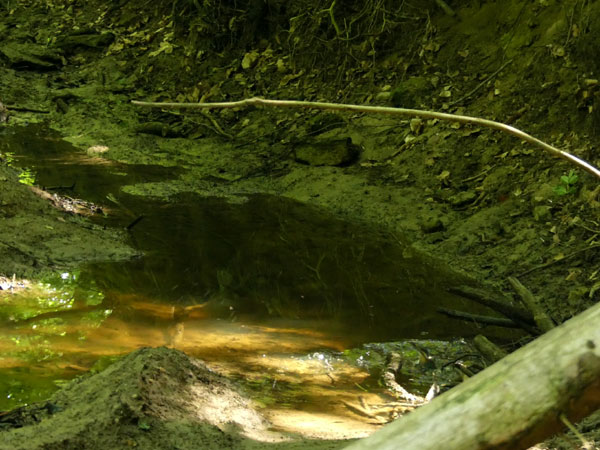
{"points": [[22, 252], [32, 110], [215, 124], [477, 318], [479, 175], [257, 101], [58, 314], [134, 222], [480, 85], [570, 30], [518, 315], [584, 442], [332, 17], [542, 320], [389, 378], [61, 188], [488, 349]]}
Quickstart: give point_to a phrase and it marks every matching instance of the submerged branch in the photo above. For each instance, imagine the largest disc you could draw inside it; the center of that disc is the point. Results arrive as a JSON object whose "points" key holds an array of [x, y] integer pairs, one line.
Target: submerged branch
{"points": [[257, 101], [478, 318]]}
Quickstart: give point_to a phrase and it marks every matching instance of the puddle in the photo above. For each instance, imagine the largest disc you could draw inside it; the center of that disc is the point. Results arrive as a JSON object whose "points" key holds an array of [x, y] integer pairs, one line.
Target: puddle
{"points": [[267, 290], [60, 167]]}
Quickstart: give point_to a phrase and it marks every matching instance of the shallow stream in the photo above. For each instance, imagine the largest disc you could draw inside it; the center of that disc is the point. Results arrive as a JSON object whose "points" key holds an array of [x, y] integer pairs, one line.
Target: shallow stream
{"points": [[263, 288]]}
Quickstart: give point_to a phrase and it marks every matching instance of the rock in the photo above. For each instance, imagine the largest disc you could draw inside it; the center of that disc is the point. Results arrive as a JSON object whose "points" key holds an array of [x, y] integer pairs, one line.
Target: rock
{"points": [[161, 129], [544, 194], [3, 113], [30, 56], [578, 297], [383, 96], [432, 225], [324, 122], [339, 152], [72, 42], [495, 181], [411, 93]]}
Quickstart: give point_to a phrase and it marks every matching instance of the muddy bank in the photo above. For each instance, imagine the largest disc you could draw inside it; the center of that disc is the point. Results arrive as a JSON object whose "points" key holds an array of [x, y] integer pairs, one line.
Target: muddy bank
{"points": [[39, 238]]}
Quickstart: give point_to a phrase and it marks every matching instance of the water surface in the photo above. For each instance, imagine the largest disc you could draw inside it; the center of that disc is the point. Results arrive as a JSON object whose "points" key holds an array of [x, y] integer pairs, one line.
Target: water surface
{"points": [[266, 289]]}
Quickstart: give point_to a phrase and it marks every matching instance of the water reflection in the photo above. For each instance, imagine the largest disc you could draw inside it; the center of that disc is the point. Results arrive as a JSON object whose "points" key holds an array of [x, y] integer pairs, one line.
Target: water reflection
{"points": [[273, 257], [58, 166]]}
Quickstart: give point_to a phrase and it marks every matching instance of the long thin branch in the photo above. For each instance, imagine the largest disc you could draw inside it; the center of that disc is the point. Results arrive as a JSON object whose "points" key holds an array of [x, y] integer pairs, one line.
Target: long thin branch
{"points": [[483, 83], [257, 101], [478, 318]]}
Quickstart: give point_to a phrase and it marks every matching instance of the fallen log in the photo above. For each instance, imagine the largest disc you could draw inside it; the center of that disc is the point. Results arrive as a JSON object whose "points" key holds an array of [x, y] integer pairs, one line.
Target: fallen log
{"points": [[513, 404]]}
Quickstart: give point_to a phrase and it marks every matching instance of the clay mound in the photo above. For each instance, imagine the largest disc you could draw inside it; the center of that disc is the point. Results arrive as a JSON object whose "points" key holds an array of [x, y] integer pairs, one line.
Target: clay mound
{"points": [[153, 398]]}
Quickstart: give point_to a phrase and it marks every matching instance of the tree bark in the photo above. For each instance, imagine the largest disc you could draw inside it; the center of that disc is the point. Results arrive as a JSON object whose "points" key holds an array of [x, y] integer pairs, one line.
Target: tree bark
{"points": [[513, 404]]}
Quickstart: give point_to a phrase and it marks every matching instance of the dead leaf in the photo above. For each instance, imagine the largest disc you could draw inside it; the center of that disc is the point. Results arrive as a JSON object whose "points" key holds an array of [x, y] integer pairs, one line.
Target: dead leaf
{"points": [[573, 274], [249, 59], [444, 176]]}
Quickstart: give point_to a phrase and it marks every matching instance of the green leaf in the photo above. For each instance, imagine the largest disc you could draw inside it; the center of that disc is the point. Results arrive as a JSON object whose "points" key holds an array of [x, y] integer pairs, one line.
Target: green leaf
{"points": [[560, 190]]}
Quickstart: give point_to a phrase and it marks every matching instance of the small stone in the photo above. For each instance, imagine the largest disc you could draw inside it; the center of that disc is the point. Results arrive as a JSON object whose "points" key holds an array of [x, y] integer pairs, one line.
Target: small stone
{"points": [[338, 152], [249, 60]]}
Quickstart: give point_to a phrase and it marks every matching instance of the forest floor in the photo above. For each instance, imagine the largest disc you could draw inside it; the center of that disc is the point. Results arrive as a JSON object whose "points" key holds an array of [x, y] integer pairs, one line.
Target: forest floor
{"points": [[482, 202]]}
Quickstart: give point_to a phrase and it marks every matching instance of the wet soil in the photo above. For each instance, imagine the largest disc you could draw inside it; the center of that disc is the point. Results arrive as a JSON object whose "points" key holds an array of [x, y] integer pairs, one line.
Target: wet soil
{"points": [[481, 202]]}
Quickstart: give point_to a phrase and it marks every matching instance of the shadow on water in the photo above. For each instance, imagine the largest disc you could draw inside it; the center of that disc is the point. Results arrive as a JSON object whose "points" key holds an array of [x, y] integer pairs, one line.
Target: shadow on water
{"points": [[248, 286], [60, 167], [274, 257]]}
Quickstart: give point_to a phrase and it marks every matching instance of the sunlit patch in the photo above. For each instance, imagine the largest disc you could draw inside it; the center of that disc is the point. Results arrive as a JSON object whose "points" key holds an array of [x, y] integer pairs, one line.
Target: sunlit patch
{"points": [[11, 284], [97, 149], [320, 425], [297, 372], [291, 369]]}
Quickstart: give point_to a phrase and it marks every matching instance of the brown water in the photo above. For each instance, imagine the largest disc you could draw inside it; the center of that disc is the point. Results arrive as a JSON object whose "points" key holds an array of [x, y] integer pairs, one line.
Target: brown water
{"points": [[267, 290]]}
